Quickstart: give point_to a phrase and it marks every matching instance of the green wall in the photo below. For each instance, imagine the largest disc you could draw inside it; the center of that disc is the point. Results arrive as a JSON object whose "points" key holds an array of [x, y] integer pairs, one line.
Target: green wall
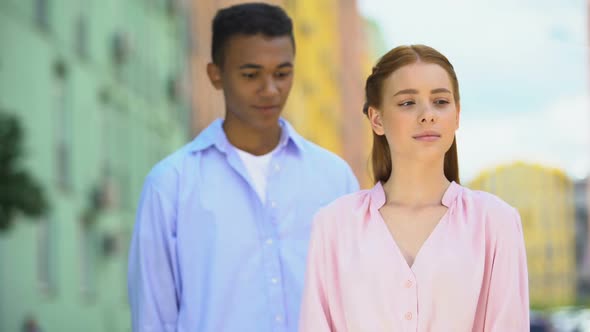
{"points": [[91, 124]]}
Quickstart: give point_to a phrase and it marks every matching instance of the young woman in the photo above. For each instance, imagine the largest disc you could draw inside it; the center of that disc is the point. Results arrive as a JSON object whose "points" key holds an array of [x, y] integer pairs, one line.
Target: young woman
{"points": [[417, 252]]}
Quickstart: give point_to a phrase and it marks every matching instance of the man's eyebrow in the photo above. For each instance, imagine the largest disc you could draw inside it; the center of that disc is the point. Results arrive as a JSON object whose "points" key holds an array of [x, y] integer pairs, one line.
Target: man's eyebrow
{"points": [[254, 66], [285, 65], [250, 66]]}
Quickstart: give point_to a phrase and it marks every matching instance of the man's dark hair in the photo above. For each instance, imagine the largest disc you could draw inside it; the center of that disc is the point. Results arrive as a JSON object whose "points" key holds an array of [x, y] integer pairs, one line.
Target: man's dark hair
{"points": [[248, 19]]}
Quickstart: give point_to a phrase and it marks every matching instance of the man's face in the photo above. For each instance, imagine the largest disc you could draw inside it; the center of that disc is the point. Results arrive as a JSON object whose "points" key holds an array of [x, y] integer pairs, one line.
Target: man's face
{"points": [[256, 77]]}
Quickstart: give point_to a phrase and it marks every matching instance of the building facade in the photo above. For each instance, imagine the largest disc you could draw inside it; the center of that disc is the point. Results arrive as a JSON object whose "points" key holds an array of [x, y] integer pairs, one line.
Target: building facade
{"points": [[581, 199], [98, 87], [105, 89], [585, 268], [544, 198]]}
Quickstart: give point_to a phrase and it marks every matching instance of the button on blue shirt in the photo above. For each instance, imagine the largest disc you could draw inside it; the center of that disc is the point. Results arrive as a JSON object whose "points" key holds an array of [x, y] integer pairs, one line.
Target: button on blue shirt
{"points": [[208, 255]]}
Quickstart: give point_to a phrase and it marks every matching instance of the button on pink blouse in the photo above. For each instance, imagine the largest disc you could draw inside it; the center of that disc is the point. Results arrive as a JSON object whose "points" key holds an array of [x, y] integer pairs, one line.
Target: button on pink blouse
{"points": [[469, 275]]}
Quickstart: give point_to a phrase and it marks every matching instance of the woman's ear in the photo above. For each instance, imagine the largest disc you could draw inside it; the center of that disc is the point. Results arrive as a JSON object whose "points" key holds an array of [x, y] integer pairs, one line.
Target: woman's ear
{"points": [[458, 114], [376, 120]]}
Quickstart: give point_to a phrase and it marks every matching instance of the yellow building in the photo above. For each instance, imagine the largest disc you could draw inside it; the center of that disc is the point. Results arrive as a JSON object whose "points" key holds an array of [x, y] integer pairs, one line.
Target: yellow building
{"points": [[544, 198], [315, 100]]}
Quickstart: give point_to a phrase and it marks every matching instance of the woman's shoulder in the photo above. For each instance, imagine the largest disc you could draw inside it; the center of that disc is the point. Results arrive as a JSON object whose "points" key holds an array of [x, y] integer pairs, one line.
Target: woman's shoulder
{"points": [[348, 202], [490, 207], [350, 206], [485, 199]]}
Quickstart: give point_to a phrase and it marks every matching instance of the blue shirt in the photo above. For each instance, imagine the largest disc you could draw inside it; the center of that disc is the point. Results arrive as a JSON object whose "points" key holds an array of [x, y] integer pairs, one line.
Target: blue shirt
{"points": [[208, 255]]}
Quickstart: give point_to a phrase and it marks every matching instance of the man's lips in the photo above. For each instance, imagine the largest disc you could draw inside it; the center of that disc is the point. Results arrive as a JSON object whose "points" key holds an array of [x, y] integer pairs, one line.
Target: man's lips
{"points": [[266, 108]]}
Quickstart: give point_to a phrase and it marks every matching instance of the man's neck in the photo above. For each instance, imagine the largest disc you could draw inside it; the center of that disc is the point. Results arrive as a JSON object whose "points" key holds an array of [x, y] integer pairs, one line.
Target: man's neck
{"points": [[254, 141]]}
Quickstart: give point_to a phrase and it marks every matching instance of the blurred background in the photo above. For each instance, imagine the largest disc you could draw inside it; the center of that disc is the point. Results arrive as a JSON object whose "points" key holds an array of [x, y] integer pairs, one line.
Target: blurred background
{"points": [[94, 93]]}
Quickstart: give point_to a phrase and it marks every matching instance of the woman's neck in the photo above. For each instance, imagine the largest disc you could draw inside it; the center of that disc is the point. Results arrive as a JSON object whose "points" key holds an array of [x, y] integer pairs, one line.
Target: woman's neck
{"points": [[416, 184]]}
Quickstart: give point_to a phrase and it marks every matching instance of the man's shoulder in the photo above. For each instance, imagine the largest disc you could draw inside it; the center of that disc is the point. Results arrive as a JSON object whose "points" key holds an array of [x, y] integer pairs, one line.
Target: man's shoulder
{"points": [[173, 164], [169, 169], [322, 155], [313, 151], [326, 165]]}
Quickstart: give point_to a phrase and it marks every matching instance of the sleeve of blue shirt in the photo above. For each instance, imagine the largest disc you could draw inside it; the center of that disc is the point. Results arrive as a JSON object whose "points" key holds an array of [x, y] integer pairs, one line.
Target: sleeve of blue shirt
{"points": [[153, 296], [345, 173], [352, 184]]}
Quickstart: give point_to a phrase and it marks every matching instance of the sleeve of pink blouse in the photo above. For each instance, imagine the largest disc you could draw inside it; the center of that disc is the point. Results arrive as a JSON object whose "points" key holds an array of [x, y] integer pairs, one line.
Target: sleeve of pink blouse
{"points": [[508, 298], [315, 314]]}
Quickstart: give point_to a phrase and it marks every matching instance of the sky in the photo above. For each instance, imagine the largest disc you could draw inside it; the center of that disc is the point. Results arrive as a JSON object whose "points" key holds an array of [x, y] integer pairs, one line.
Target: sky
{"points": [[523, 75]]}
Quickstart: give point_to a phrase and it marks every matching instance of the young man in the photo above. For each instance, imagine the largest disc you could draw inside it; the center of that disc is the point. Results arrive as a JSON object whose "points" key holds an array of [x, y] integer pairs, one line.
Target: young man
{"points": [[222, 229]]}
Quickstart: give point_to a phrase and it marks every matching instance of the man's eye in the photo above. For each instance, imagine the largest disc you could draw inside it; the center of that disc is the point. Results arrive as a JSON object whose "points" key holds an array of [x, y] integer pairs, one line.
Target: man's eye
{"points": [[249, 75], [283, 74]]}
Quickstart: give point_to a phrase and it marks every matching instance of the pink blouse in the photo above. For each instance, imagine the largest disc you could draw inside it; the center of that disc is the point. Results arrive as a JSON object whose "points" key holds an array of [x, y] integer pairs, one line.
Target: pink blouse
{"points": [[469, 275]]}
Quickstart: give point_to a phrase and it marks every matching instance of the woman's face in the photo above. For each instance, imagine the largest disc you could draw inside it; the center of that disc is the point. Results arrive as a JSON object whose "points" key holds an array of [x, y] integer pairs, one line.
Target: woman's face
{"points": [[418, 114]]}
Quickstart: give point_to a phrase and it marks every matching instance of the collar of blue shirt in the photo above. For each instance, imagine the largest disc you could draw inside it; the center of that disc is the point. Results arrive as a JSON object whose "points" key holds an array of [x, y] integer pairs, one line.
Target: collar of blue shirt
{"points": [[214, 135]]}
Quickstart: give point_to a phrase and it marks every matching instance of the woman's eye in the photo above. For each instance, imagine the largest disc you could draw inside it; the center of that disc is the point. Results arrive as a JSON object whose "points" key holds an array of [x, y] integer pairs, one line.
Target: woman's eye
{"points": [[441, 102], [407, 103]]}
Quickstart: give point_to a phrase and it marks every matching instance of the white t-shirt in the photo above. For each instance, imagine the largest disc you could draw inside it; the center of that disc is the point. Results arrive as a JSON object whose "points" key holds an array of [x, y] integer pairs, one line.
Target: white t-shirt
{"points": [[257, 167]]}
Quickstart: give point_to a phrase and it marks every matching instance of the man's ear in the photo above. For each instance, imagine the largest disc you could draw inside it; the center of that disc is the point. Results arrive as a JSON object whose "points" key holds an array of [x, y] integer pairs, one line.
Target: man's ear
{"points": [[214, 73], [376, 121]]}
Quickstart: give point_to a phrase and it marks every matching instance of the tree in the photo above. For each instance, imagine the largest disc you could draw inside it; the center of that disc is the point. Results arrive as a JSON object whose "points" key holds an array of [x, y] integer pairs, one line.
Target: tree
{"points": [[19, 192]]}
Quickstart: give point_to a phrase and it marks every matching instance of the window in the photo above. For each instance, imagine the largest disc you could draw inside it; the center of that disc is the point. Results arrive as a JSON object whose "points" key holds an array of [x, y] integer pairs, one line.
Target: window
{"points": [[120, 158], [126, 234], [549, 252], [190, 46], [63, 127], [290, 5], [81, 36], [124, 183], [87, 251], [171, 7], [172, 89], [108, 143], [46, 262], [42, 14]]}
